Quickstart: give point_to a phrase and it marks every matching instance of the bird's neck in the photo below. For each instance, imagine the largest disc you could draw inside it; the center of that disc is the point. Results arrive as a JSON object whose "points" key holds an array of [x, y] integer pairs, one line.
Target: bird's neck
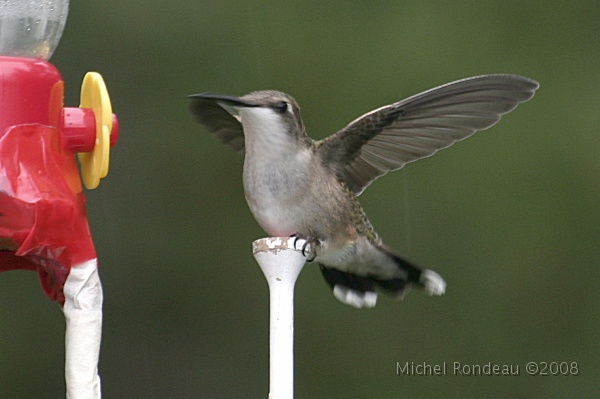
{"points": [[268, 137]]}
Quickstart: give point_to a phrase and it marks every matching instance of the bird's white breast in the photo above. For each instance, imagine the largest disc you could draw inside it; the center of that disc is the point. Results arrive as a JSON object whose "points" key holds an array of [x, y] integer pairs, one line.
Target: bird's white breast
{"points": [[276, 168]]}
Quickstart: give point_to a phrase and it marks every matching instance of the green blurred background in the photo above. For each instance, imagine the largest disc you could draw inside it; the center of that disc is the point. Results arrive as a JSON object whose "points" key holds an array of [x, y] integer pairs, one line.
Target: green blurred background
{"points": [[510, 217]]}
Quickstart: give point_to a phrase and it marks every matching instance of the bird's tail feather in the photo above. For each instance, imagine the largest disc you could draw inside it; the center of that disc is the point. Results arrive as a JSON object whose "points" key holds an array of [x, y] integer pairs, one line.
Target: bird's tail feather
{"points": [[360, 291]]}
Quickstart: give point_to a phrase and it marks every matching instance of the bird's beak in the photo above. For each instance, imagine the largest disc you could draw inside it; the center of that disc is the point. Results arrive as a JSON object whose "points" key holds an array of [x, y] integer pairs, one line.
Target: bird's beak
{"points": [[227, 100]]}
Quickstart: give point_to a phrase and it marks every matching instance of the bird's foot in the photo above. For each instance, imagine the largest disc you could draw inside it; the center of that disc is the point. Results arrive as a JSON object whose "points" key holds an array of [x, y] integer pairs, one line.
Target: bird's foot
{"points": [[309, 248]]}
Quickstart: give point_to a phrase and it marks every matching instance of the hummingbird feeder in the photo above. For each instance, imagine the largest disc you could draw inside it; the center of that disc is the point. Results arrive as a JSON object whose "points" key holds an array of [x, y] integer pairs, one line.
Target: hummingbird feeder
{"points": [[43, 220]]}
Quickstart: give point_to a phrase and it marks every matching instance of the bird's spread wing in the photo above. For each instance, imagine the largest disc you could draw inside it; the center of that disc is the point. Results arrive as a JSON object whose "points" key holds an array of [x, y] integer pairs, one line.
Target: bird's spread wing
{"points": [[387, 138], [220, 122]]}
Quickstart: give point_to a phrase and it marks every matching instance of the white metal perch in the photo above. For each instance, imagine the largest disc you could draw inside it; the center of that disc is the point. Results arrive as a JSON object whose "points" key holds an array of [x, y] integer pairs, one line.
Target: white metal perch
{"points": [[281, 264]]}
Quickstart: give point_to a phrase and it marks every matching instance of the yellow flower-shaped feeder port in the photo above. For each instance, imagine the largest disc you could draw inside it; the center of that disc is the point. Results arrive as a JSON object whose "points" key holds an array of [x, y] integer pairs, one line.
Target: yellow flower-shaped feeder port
{"points": [[94, 164]]}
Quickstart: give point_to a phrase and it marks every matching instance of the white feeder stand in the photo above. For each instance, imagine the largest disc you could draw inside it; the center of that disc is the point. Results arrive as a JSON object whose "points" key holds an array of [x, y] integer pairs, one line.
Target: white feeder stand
{"points": [[83, 334], [281, 264]]}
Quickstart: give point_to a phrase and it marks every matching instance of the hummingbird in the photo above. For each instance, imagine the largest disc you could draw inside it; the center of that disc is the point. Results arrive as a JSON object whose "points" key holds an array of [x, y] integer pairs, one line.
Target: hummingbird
{"points": [[299, 187]]}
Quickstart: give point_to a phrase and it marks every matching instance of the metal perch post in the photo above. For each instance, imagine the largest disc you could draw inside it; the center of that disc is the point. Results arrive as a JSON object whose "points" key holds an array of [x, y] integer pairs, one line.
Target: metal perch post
{"points": [[281, 264]]}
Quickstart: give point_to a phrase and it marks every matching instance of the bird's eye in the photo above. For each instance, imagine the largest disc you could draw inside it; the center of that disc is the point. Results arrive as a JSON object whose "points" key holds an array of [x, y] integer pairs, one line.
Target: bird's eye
{"points": [[281, 107]]}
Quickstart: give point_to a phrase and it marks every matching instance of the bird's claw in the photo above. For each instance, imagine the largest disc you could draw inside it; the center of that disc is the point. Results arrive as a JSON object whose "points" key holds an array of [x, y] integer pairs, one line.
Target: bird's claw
{"points": [[309, 242]]}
